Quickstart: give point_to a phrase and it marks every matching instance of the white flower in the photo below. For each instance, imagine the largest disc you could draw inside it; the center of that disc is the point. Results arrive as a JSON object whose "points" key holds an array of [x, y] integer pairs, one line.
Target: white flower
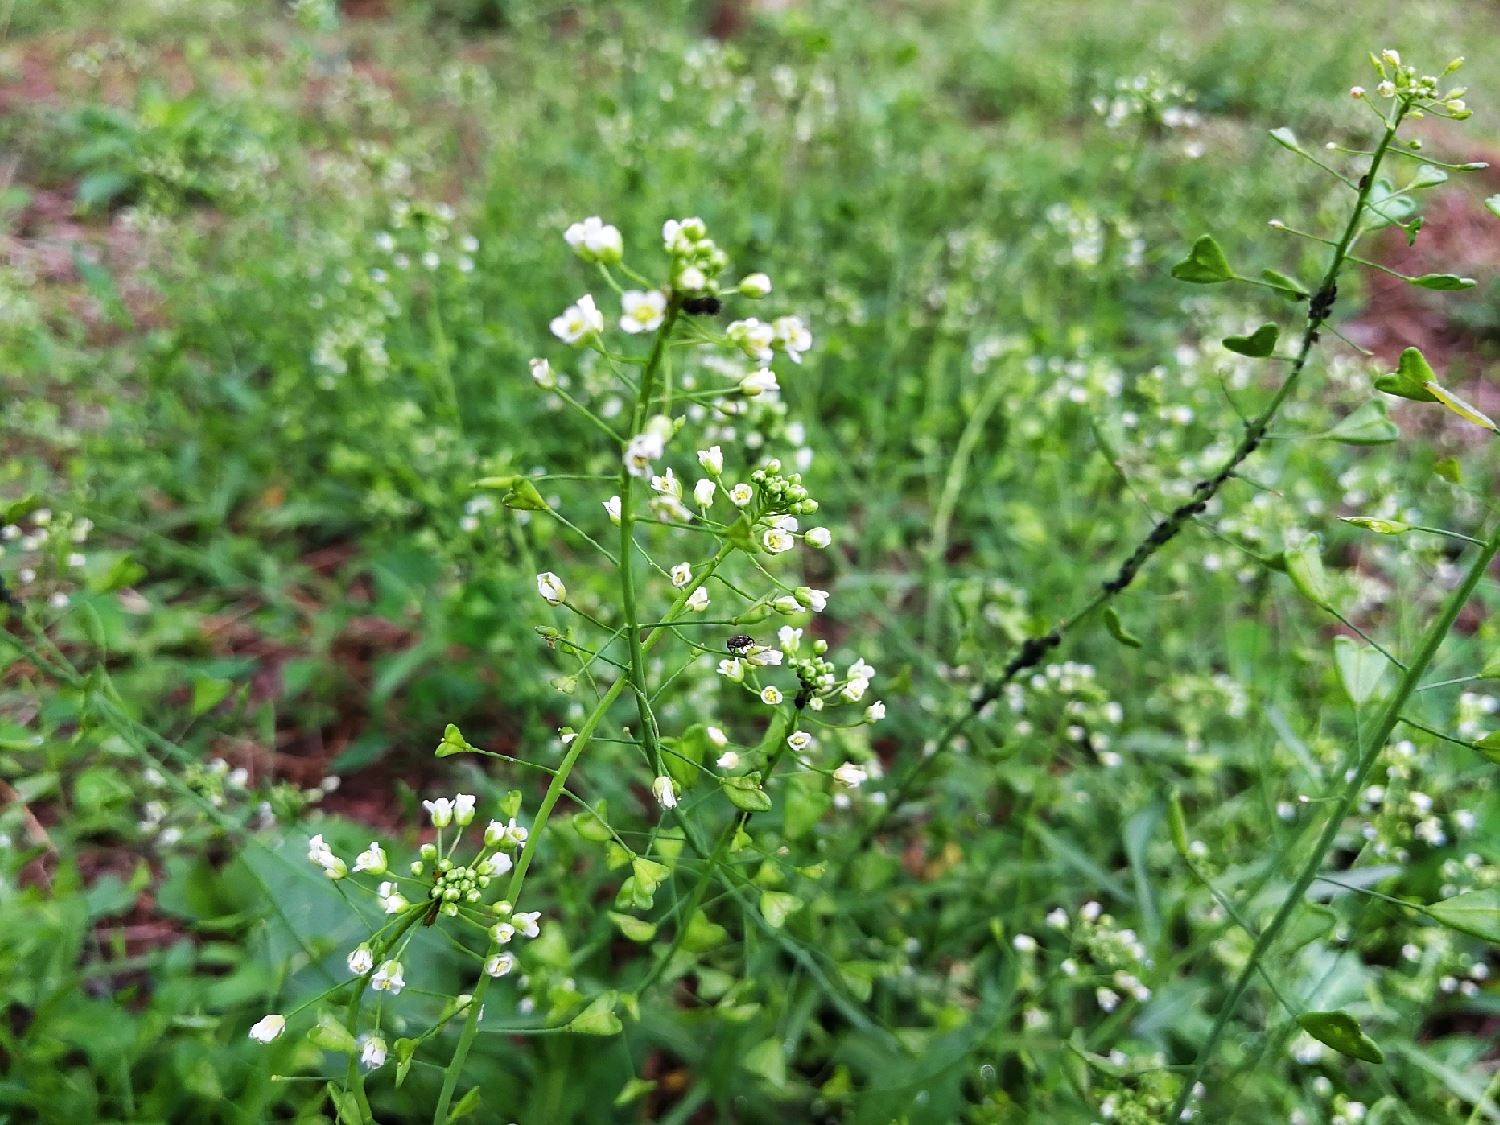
{"points": [[1058, 919], [503, 933], [1024, 943], [612, 509], [859, 670], [698, 600], [667, 484], [388, 978], [776, 541], [704, 492], [787, 604], [755, 286], [712, 460], [463, 809], [1391, 56], [664, 792], [790, 639], [1108, 998], [792, 335], [372, 859], [321, 854], [500, 965], [594, 240], [716, 737], [770, 695], [799, 740], [551, 587], [762, 657], [850, 776], [371, 1052], [728, 760], [732, 670], [391, 900], [753, 337], [643, 310], [494, 865], [578, 322], [759, 382], [818, 537], [360, 960], [268, 1028], [690, 279], [682, 574], [815, 600], [875, 711], [1386, 89], [528, 924], [641, 450], [681, 236], [498, 835], [855, 689], [543, 375], [440, 810], [741, 494]]}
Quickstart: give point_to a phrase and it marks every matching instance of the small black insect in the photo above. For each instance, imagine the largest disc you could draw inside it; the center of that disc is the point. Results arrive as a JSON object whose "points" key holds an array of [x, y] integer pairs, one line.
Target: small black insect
{"points": [[702, 306], [739, 643]]}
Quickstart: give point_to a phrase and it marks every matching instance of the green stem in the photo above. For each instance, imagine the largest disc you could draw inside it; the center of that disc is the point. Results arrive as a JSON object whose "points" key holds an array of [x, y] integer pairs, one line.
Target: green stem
{"points": [[1035, 648], [1369, 754]]}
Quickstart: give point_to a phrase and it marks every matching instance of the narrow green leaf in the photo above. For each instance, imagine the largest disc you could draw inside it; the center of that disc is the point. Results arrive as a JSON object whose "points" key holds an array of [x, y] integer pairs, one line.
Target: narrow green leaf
{"points": [[465, 1105], [1475, 912], [1257, 345], [1205, 264], [1117, 628], [1342, 1032], [1369, 425], [1177, 825]]}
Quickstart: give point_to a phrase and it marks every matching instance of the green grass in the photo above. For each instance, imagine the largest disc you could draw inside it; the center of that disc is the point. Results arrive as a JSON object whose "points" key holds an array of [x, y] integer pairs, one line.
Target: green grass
{"points": [[220, 344]]}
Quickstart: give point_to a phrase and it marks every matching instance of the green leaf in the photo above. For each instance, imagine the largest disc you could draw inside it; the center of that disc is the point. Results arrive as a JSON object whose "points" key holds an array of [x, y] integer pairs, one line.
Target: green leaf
{"points": [[1257, 345], [804, 804], [1449, 469], [745, 793], [1385, 206], [1304, 566], [1410, 378], [685, 756], [1378, 526], [777, 906], [1476, 912], [634, 1089], [1444, 282], [1361, 668], [1460, 407], [1289, 287], [1117, 628], [1369, 425], [598, 1018], [404, 1051], [1492, 204], [1205, 264], [523, 497], [1489, 746], [1342, 1032]]}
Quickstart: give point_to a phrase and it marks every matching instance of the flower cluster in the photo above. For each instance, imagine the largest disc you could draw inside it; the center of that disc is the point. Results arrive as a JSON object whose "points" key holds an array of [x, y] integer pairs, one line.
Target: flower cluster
{"points": [[440, 881], [1422, 92]]}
